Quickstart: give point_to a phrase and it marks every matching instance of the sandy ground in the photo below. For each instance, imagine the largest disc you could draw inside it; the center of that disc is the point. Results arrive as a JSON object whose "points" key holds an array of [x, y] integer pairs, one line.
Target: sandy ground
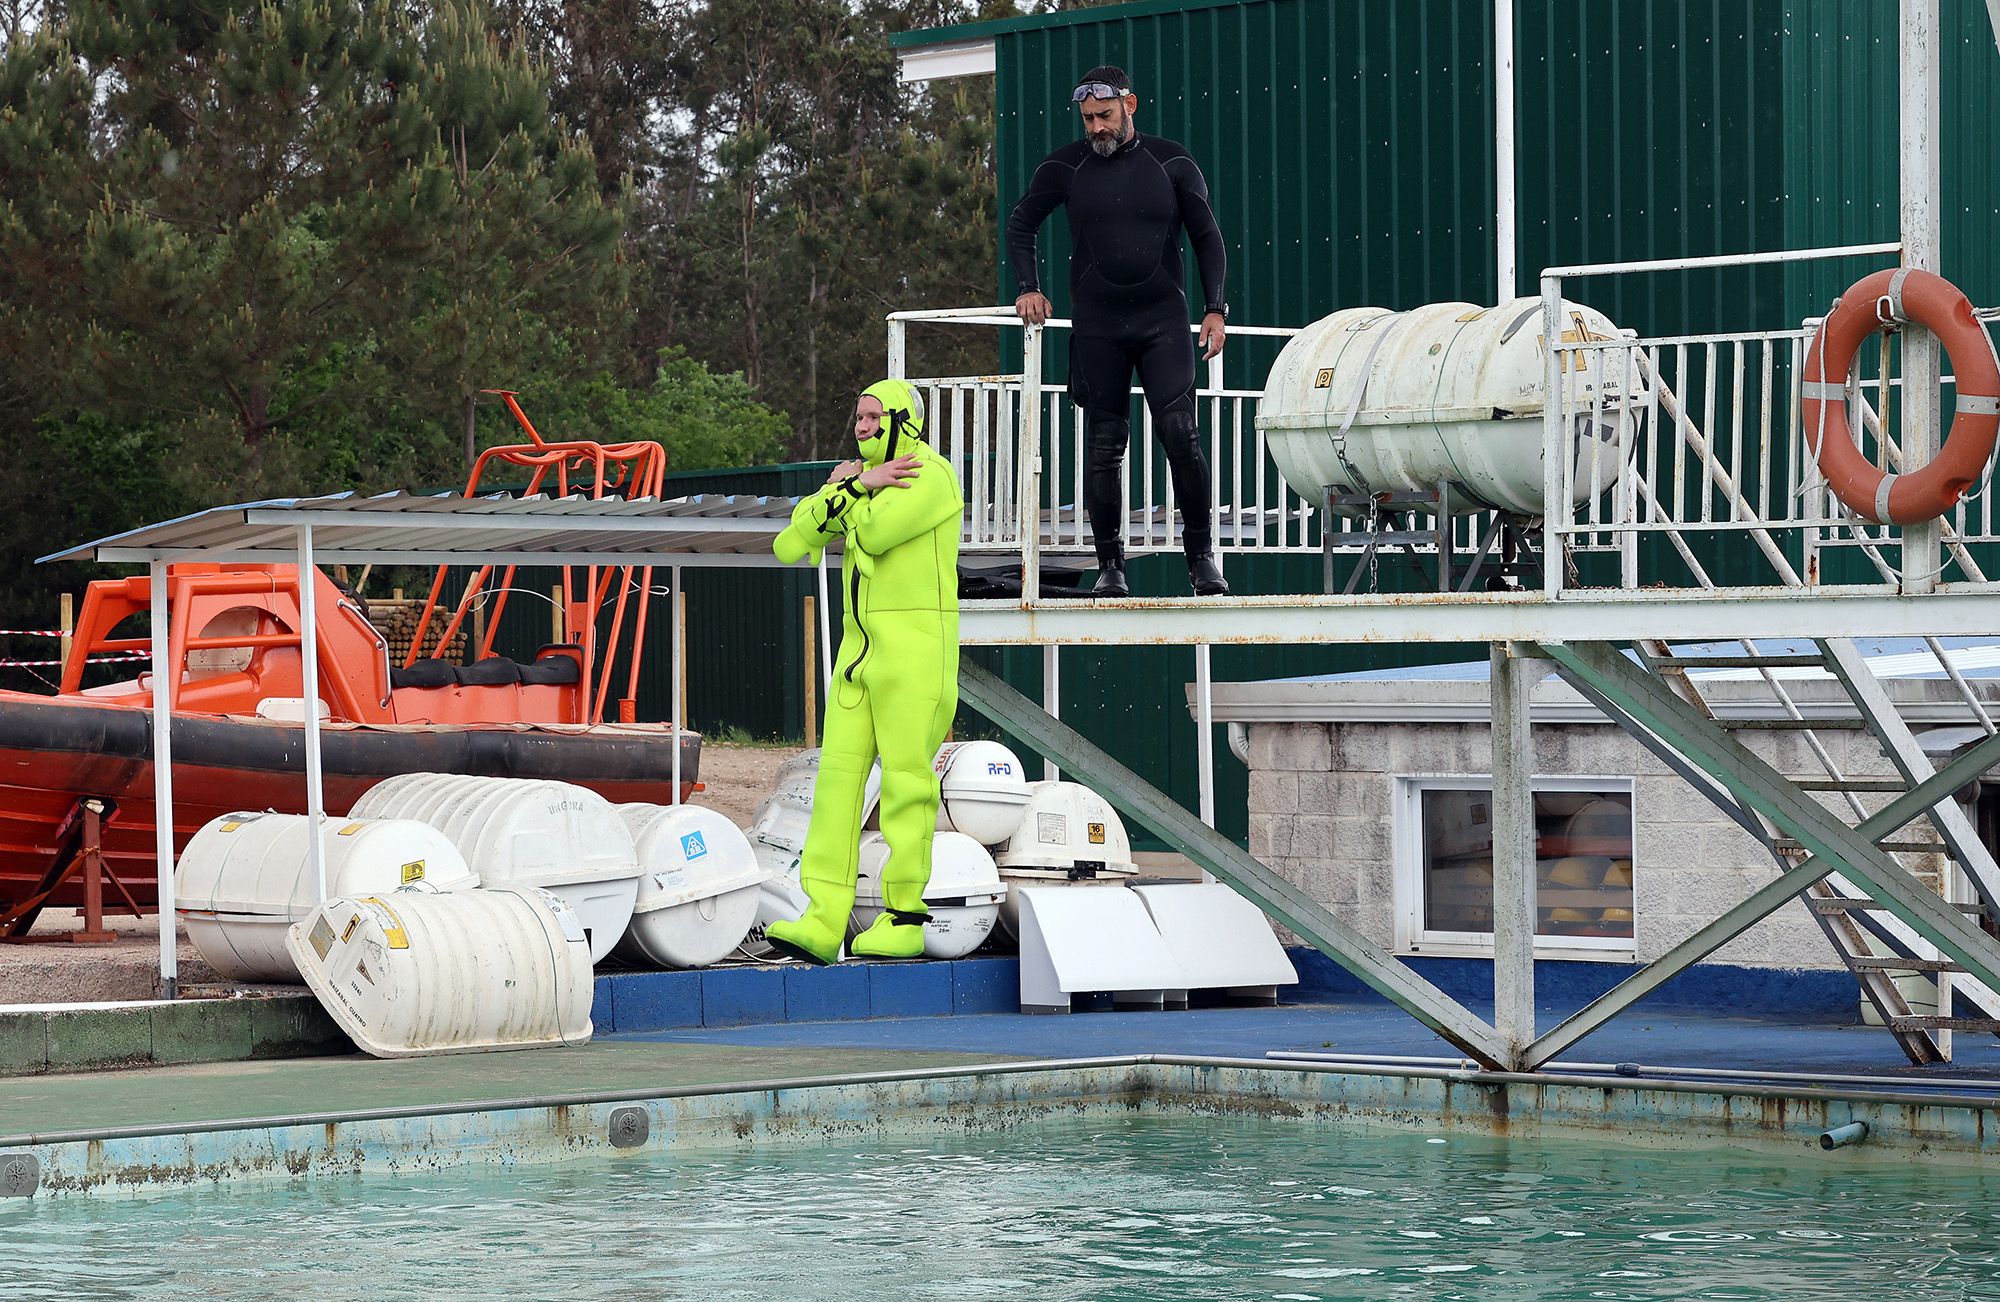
{"points": [[736, 778]]}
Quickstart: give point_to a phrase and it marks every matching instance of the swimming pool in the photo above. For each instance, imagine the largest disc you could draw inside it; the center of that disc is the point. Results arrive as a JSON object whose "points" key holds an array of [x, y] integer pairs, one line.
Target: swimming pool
{"points": [[1155, 1206]]}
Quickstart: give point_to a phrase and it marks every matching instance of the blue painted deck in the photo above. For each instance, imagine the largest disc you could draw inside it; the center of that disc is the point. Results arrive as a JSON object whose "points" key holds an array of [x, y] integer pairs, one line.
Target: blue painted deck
{"points": [[1669, 1037]]}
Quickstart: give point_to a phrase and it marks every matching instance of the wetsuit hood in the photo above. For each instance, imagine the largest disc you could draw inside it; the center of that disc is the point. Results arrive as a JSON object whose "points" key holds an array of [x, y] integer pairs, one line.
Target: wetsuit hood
{"points": [[902, 422]]}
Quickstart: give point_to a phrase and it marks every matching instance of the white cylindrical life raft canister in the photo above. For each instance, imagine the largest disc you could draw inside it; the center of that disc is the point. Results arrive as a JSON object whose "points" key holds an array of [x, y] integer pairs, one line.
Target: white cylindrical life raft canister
{"points": [[698, 881], [963, 896], [521, 832], [245, 878], [982, 790], [1370, 401], [777, 835], [411, 972], [1069, 836]]}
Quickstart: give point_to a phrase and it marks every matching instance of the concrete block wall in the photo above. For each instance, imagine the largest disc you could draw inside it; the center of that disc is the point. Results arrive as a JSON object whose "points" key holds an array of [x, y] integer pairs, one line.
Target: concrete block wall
{"points": [[1322, 795]]}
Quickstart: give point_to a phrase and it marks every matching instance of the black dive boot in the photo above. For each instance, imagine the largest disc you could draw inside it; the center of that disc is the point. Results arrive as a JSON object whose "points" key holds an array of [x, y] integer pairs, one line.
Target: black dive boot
{"points": [[1111, 571], [1205, 573]]}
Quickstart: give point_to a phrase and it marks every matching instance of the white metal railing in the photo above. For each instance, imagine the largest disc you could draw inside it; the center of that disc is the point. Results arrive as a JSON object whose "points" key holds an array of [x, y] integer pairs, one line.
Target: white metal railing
{"points": [[1699, 440], [1709, 442], [997, 441]]}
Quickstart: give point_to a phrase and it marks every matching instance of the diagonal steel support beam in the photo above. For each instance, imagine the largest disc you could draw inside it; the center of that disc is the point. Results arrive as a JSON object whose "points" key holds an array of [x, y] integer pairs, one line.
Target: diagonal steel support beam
{"points": [[1762, 788], [1208, 848], [1758, 905], [1907, 754], [1879, 987]]}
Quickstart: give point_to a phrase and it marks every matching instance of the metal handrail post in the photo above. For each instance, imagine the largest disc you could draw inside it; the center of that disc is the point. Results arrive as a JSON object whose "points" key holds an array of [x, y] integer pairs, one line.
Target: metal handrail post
{"points": [[1917, 53], [1029, 460], [1552, 441], [163, 780], [308, 574], [898, 363]]}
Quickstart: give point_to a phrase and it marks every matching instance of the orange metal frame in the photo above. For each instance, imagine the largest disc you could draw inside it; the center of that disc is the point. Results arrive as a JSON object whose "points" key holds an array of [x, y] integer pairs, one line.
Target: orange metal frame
{"points": [[629, 470]]}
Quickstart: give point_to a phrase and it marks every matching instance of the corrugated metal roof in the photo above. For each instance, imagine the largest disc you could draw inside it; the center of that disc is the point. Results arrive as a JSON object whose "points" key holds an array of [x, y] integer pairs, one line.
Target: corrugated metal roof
{"points": [[405, 528]]}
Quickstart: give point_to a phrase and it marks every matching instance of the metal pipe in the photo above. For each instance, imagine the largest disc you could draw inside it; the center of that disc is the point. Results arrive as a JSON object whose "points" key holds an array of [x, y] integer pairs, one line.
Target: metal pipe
{"points": [[1553, 453], [1503, 149], [1511, 679], [674, 680], [1204, 689], [1637, 1070], [1841, 1136], [309, 685], [1052, 698], [1722, 260], [1917, 56], [163, 784]]}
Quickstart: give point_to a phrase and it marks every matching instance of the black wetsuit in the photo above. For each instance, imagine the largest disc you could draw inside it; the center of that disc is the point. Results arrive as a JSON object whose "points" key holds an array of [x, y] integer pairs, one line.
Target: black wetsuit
{"points": [[1126, 215]]}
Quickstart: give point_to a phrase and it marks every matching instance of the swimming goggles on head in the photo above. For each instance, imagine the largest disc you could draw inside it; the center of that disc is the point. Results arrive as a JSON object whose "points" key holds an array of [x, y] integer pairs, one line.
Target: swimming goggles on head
{"points": [[1096, 90]]}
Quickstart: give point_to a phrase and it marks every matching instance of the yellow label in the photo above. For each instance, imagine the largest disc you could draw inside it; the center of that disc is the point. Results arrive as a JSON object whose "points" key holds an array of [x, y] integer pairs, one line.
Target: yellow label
{"points": [[413, 872], [347, 932], [231, 827], [1097, 834], [350, 829], [392, 930], [1472, 316], [1323, 380]]}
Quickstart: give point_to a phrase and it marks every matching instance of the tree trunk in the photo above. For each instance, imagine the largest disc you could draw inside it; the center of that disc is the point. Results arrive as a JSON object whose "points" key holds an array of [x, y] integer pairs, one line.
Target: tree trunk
{"points": [[471, 434]]}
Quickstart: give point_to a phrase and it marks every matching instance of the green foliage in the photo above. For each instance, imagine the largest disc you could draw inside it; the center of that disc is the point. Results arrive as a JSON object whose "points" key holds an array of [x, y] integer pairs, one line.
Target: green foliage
{"points": [[704, 419], [259, 249]]}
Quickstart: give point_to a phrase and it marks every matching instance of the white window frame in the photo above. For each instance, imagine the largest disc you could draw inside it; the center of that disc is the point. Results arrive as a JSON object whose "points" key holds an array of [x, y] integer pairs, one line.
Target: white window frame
{"points": [[1407, 862]]}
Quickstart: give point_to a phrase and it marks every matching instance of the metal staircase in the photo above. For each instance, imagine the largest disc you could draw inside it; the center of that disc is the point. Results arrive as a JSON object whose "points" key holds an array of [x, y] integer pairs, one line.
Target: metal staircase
{"points": [[1870, 940]]}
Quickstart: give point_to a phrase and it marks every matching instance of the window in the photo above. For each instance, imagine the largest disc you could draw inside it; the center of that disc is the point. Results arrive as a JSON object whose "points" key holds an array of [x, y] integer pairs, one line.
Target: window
{"points": [[1444, 865]]}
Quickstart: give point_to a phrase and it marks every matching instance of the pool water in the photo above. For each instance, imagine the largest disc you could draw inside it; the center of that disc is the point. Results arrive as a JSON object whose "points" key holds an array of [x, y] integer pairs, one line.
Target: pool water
{"points": [[1143, 1206]]}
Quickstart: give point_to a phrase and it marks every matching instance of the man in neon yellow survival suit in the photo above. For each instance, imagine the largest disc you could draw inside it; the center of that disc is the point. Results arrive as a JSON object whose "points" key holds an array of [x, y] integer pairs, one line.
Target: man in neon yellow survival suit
{"points": [[895, 684]]}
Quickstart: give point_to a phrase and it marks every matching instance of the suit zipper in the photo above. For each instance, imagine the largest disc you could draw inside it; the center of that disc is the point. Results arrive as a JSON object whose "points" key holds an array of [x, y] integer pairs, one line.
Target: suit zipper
{"points": [[854, 602]]}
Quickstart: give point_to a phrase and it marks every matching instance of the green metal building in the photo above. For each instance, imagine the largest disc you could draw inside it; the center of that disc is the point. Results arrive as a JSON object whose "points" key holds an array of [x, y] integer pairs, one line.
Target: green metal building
{"points": [[1349, 146]]}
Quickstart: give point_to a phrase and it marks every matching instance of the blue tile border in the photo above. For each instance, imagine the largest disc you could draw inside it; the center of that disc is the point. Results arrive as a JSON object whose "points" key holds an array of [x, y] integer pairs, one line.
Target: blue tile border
{"points": [[637, 1002], [910, 989], [828, 994], [1816, 995]]}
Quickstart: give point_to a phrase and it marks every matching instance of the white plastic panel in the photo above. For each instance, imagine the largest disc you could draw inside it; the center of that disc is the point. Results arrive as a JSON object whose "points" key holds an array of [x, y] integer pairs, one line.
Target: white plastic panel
{"points": [[1079, 942]]}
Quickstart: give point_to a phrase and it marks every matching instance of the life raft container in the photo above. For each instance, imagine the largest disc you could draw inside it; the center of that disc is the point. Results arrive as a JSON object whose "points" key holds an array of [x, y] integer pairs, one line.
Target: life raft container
{"points": [[1887, 297]]}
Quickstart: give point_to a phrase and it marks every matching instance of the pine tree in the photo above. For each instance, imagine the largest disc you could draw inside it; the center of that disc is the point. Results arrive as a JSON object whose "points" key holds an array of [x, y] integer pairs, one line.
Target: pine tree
{"points": [[233, 213]]}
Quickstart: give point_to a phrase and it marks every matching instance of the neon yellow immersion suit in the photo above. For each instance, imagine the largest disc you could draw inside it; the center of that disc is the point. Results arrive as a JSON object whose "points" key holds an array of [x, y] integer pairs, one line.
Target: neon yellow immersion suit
{"points": [[895, 684]]}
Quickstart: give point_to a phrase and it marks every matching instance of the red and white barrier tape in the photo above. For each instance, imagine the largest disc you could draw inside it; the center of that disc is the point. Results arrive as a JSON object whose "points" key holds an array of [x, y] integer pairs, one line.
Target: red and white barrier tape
{"points": [[32, 632], [95, 660]]}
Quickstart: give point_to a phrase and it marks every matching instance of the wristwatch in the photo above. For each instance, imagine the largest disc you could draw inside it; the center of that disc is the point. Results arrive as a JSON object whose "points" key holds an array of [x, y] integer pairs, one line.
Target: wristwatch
{"points": [[1222, 311]]}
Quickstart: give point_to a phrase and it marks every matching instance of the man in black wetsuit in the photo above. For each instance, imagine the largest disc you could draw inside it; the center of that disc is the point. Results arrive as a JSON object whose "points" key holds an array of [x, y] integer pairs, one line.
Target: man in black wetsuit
{"points": [[1129, 198]]}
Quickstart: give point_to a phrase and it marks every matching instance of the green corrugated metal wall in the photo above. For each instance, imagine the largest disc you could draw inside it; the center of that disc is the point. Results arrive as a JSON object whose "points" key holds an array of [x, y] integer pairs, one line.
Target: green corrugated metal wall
{"points": [[745, 627], [1348, 147]]}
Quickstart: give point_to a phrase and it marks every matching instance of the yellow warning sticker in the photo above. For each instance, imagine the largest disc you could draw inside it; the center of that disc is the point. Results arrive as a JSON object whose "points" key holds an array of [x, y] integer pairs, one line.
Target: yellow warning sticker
{"points": [[321, 937], [350, 829], [392, 930], [1097, 834], [231, 826], [413, 872], [1323, 380], [347, 932]]}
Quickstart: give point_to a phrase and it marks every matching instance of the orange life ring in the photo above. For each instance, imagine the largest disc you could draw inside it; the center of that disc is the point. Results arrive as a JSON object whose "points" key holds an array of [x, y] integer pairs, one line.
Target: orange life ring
{"points": [[1903, 294]]}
